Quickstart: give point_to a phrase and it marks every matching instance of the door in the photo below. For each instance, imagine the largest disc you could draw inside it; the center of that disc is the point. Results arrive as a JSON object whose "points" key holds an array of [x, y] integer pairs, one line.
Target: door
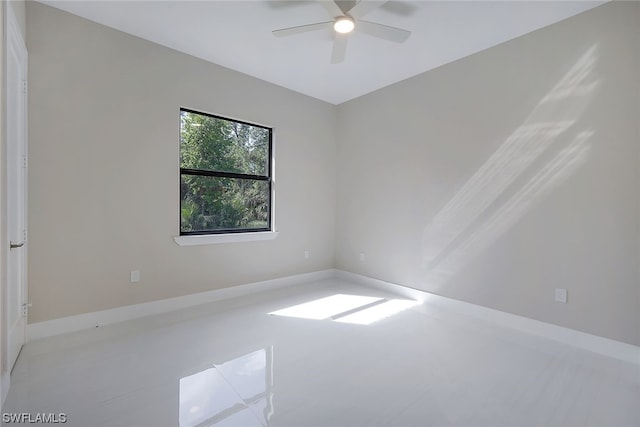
{"points": [[16, 121]]}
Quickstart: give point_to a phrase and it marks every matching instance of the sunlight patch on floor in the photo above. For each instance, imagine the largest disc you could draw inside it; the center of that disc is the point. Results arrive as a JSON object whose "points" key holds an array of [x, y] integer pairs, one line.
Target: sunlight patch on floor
{"points": [[343, 308], [378, 312], [324, 308]]}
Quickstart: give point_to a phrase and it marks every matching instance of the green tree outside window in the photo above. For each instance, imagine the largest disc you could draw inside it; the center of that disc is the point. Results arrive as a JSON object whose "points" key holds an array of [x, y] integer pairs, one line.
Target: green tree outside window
{"points": [[225, 175]]}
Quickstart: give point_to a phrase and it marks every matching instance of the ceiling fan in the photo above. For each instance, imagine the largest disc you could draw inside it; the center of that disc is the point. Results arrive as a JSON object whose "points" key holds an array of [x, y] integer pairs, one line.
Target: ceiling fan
{"points": [[347, 18]]}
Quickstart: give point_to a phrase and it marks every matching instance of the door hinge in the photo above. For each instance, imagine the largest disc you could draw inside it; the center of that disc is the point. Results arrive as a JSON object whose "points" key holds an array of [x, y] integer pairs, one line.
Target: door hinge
{"points": [[25, 309], [24, 161], [24, 87]]}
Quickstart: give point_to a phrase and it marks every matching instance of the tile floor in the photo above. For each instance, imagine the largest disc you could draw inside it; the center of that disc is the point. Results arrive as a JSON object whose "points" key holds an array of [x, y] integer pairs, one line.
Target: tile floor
{"points": [[231, 363]]}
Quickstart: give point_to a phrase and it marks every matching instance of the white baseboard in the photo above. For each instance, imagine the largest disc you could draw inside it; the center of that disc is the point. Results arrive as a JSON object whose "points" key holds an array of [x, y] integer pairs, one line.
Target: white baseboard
{"points": [[98, 318], [593, 343]]}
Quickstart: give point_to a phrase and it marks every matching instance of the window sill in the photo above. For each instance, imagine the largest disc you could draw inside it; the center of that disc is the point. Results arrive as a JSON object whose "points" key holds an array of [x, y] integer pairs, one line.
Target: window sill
{"points": [[214, 239]]}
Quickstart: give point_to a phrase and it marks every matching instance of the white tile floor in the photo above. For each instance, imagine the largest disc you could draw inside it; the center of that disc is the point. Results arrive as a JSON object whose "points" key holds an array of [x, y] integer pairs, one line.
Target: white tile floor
{"points": [[232, 364]]}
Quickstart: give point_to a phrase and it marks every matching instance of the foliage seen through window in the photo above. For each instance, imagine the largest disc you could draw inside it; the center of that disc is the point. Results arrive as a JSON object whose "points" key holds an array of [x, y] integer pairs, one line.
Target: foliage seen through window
{"points": [[225, 175]]}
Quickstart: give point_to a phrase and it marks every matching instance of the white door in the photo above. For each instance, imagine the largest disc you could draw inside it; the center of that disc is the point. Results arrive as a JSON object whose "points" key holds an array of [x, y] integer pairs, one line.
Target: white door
{"points": [[16, 120]]}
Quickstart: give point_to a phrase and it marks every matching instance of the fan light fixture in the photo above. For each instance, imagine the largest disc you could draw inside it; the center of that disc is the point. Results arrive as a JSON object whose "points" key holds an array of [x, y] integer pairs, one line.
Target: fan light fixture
{"points": [[343, 22], [344, 25]]}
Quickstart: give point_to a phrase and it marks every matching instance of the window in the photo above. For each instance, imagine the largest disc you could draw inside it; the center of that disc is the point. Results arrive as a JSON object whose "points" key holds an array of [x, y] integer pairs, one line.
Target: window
{"points": [[225, 175]]}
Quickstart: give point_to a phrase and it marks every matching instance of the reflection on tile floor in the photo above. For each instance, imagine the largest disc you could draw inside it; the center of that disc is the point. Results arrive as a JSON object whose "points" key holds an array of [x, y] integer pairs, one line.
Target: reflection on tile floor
{"points": [[231, 363]]}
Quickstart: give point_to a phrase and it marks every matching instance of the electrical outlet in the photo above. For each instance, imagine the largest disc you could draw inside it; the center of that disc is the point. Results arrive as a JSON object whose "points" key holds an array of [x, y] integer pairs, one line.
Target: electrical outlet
{"points": [[306, 254], [134, 276], [561, 295], [362, 256]]}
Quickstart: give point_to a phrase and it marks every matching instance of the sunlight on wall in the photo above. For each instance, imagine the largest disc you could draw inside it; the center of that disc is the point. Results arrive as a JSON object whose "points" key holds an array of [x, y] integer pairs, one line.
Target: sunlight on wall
{"points": [[477, 215], [232, 393], [562, 166]]}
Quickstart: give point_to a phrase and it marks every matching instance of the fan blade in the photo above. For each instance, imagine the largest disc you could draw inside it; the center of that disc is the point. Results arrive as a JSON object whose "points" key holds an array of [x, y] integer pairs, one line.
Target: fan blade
{"points": [[302, 29], [339, 48], [363, 7], [381, 31], [332, 8]]}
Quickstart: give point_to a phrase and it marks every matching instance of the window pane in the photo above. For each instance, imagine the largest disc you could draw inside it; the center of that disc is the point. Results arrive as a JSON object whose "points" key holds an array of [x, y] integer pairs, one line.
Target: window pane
{"points": [[221, 145], [212, 203]]}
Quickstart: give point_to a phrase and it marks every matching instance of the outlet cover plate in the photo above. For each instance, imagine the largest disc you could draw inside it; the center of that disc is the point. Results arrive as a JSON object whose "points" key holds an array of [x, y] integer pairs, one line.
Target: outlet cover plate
{"points": [[561, 295], [134, 276]]}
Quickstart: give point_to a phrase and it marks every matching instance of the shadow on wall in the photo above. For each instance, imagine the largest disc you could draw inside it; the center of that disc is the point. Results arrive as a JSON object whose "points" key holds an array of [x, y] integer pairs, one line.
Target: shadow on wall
{"points": [[526, 167]]}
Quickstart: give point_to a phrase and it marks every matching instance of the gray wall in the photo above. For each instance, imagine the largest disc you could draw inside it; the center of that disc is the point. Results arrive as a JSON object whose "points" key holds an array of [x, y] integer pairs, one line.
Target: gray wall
{"points": [[104, 123], [502, 176]]}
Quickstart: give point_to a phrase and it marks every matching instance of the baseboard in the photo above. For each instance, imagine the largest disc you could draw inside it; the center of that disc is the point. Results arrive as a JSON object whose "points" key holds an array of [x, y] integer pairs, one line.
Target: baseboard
{"points": [[98, 318], [5, 380], [596, 344], [593, 343]]}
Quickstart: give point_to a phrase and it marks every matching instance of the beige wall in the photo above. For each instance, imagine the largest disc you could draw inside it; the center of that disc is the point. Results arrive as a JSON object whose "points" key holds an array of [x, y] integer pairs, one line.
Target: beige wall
{"points": [[19, 9], [103, 149], [502, 176], [493, 180]]}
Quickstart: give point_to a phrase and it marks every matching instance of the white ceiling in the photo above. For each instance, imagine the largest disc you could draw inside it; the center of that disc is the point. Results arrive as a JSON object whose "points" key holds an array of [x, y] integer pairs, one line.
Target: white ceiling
{"points": [[237, 34]]}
